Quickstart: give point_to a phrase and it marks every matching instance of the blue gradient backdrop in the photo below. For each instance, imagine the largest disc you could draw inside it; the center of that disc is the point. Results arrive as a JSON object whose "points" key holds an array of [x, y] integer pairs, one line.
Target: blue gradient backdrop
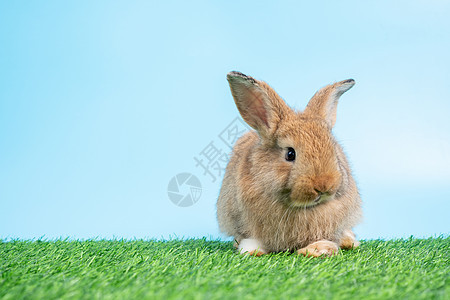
{"points": [[103, 102]]}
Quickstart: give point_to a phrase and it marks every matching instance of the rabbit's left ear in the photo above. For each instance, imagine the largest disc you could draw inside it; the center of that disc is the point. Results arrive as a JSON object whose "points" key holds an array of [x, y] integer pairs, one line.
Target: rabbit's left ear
{"points": [[324, 103], [259, 105]]}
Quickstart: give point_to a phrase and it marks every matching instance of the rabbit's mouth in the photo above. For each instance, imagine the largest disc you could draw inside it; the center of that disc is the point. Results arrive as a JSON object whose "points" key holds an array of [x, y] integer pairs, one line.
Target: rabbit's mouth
{"points": [[319, 199], [322, 198]]}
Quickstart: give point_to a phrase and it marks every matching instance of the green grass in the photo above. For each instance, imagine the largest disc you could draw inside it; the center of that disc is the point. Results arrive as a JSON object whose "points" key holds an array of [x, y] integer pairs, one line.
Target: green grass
{"points": [[201, 269]]}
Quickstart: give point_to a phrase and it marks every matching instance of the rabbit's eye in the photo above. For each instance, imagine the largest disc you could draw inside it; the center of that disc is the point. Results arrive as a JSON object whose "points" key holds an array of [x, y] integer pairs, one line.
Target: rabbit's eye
{"points": [[290, 154]]}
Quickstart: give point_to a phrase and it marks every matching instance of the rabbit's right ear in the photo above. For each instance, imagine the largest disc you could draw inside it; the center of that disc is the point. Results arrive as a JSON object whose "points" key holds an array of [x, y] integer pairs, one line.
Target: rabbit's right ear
{"points": [[324, 103], [259, 105]]}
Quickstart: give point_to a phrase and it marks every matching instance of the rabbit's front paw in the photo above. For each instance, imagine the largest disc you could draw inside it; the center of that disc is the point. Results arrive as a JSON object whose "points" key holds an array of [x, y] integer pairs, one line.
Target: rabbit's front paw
{"points": [[317, 249], [251, 247]]}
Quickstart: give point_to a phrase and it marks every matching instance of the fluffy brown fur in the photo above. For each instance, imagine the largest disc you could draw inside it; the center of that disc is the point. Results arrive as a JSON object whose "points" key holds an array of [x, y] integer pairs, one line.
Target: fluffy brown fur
{"points": [[275, 201]]}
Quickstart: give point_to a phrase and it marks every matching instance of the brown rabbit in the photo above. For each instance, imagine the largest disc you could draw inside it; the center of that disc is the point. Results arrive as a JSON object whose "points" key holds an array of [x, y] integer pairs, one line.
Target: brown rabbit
{"points": [[288, 185]]}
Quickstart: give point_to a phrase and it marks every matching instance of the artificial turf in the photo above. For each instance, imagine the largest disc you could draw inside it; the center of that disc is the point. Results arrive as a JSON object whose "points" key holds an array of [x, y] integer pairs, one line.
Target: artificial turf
{"points": [[203, 269]]}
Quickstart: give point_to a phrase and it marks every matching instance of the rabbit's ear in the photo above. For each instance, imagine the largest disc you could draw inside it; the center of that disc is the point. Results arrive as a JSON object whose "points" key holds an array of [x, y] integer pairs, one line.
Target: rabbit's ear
{"points": [[259, 105], [324, 103]]}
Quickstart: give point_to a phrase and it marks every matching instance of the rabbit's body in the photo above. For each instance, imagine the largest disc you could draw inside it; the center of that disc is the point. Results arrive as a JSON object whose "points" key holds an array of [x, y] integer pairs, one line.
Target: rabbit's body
{"points": [[250, 213], [279, 202]]}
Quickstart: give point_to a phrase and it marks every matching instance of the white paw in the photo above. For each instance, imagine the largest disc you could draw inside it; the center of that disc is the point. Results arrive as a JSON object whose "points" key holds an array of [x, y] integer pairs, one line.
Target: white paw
{"points": [[251, 246]]}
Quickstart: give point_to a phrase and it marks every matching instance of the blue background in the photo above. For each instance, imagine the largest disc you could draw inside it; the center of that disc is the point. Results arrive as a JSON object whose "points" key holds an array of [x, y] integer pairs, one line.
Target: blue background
{"points": [[103, 102]]}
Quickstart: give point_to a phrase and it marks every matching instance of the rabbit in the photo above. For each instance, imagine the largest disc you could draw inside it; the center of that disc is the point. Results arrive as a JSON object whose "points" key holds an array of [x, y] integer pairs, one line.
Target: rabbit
{"points": [[288, 185]]}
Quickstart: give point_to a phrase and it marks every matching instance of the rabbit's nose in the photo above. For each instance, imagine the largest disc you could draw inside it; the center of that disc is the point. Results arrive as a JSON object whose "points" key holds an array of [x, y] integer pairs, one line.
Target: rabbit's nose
{"points": [[319, 195], [324, 185], [323, 190], [319, 192]]}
